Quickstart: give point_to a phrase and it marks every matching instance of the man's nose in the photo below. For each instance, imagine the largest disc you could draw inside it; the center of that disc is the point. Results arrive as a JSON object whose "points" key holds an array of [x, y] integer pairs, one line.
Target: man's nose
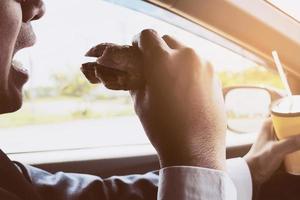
{"points": [[32, 10]]}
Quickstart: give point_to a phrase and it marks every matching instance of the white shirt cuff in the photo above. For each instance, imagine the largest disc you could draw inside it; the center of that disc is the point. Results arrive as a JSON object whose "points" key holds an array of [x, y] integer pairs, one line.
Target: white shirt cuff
{"points": [[239, 172], [194, 183]]}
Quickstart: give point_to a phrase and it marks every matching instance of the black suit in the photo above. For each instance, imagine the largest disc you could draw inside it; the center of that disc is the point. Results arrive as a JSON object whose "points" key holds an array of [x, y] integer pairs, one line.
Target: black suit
{"points": [[36, 184]]}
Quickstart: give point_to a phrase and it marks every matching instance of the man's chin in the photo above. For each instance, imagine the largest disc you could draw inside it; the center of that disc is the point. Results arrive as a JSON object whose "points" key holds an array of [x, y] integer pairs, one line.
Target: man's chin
{"points": [[11, 102], [12, 97], [10, 108]]}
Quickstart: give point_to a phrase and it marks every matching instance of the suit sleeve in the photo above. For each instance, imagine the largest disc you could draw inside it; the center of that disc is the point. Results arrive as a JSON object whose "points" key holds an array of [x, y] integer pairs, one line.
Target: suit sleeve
{"points": [[4, 194], [183, 182], [70, 186]]}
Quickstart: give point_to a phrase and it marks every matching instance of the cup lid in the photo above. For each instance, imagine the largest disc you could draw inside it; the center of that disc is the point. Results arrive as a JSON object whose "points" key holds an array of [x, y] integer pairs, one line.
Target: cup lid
{"points": [[287, 106]]}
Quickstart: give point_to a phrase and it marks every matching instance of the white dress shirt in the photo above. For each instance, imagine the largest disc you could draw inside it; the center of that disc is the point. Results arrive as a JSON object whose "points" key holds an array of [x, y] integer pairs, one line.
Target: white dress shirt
{"points": [[238, 171], [196, 183]]}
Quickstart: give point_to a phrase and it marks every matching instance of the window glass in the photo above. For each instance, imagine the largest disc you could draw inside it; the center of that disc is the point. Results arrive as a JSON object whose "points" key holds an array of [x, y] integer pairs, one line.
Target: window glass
{"points": [[63, 111], [289, 7]]}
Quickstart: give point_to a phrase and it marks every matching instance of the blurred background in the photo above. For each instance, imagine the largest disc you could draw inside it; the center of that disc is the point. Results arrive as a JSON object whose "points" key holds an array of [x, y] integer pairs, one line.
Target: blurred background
{"points": [[63, 111]]}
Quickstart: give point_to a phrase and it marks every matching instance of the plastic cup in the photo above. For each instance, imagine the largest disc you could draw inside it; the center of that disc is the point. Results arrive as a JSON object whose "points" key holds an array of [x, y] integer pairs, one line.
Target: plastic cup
{"points": [[285, 115]]}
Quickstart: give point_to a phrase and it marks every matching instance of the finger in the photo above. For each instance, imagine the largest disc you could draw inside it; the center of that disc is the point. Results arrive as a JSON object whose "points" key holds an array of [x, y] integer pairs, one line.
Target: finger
{"points": [[149, 42], [267, 130], [267, 125], [89, 70], [98, 50], [111, 78], [172, 42], [288, 145]]}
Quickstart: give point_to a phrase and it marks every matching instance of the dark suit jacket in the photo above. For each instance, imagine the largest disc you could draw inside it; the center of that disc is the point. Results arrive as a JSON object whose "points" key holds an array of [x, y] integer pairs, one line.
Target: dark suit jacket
{"points": [[36, 184]]}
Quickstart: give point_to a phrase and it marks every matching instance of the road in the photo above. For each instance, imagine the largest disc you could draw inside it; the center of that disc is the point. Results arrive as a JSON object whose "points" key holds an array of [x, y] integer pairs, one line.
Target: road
{"points": [[86, 133], [75, 134]]}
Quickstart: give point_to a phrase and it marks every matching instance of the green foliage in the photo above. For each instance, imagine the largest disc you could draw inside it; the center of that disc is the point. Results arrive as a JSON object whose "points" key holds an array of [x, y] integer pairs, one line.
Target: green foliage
{"points": [[252, 76], [73, 85]]}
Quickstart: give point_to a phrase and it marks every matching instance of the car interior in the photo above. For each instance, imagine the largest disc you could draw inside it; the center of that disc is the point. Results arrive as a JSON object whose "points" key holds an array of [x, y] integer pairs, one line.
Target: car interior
{"points": [[68, 125]]}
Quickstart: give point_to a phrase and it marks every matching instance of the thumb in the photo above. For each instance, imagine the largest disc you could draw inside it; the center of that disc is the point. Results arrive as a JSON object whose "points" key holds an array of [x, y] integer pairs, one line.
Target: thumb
{"points": [[288, 145]]}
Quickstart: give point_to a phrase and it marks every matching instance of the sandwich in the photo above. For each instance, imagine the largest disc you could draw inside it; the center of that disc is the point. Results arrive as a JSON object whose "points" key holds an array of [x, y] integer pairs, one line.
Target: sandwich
{"points": [[118, 67]]}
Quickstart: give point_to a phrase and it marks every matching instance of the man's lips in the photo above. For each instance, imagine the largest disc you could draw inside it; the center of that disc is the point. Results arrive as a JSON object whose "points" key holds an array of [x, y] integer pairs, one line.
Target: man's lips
{"points": [[26, 38], [19, 74]]}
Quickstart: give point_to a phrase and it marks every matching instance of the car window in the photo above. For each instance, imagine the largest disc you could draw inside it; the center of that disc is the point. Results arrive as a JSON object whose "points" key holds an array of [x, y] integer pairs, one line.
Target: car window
{"points": [[63, 111], [289, 7]]}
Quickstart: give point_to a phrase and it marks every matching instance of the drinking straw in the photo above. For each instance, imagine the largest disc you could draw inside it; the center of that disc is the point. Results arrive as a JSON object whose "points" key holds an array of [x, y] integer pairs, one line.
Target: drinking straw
{"points": [[282, 74]]}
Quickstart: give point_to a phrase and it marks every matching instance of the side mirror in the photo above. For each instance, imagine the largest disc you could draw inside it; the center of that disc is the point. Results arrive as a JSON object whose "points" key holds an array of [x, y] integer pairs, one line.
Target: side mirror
{"points": [[248, 107]]}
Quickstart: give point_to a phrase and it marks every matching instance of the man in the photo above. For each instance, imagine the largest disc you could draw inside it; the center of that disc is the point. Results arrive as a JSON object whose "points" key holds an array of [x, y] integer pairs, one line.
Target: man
{"points": [[189, 135], [175, 145]]}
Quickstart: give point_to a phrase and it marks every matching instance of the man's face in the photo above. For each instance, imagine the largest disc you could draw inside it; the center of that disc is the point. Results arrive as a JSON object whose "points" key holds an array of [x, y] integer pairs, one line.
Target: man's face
{"points": [[15, 33]]}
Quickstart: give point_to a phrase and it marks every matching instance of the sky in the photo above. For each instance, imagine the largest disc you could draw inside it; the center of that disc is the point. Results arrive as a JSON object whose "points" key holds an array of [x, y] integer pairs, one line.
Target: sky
{"points": [[71, 27]]}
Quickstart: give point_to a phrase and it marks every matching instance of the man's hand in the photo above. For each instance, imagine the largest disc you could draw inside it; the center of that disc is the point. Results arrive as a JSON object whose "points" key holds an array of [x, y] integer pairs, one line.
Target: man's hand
{"points": [[181, 107], [267, 153]]}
